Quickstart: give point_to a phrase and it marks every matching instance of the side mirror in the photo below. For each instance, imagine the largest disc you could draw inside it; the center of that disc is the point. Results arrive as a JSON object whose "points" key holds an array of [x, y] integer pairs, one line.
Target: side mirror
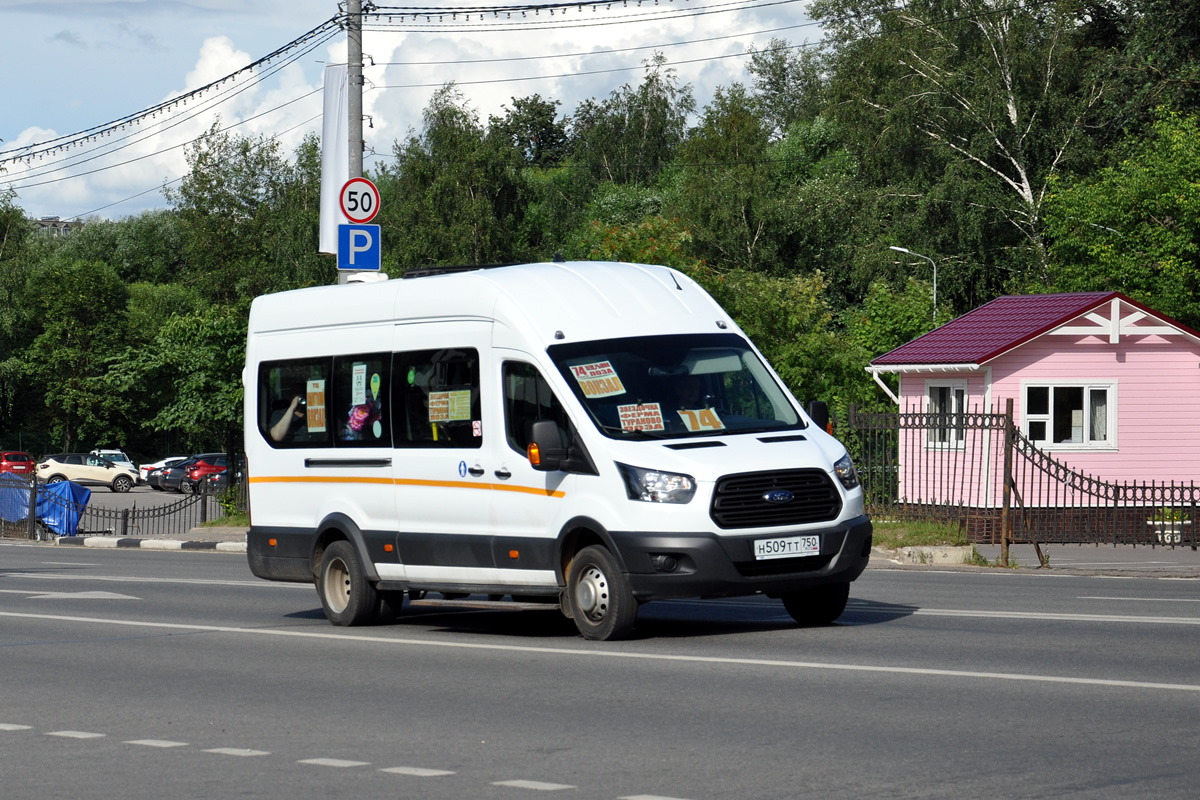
{"points": [[818, 410], [545, 452]]}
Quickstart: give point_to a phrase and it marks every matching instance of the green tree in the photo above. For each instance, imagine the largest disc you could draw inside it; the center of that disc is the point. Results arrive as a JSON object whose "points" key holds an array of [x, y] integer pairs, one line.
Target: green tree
{"points": [[81, 307], [1135, 226], [453, 195], [632, 135], [531, 127]]}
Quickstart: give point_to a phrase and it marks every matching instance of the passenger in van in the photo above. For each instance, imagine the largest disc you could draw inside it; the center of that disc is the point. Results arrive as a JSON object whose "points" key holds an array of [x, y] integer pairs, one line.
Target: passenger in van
{"points": [[283, 421]]}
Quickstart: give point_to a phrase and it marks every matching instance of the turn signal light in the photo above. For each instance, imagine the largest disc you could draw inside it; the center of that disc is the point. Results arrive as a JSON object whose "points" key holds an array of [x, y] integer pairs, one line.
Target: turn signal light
{"points": [[271, 542], [513, 554], [387, 548], [535, 455]]}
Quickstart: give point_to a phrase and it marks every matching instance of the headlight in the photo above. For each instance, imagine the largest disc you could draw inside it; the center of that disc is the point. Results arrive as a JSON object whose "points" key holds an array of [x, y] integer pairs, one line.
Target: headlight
{"points": [[844, 469], [655, 486]]}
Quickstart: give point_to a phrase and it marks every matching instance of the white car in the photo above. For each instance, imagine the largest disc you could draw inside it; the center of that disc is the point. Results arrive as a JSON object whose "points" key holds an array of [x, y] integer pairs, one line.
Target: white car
{"points": [[146, 469], [88, 469]]}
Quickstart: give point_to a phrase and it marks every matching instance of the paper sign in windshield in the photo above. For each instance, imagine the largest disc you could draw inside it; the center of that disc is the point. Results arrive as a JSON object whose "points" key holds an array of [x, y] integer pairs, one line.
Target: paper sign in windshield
{"points": [[450, 406], [697, 420], [314, 406], [641, 417], [598, 379]]}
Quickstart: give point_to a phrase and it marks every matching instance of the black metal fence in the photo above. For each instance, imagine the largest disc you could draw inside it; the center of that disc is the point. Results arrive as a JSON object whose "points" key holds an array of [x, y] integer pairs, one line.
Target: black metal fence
{"points": [[978, 471], [40, 516]]}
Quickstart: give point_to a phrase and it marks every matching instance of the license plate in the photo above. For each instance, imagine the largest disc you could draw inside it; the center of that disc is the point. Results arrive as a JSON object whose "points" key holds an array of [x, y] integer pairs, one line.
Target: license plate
{"points": [[787, 547]]}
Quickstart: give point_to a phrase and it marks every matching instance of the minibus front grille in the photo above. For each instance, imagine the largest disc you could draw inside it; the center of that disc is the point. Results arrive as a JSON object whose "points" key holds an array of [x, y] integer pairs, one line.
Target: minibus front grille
{"points": [[740, 501]]}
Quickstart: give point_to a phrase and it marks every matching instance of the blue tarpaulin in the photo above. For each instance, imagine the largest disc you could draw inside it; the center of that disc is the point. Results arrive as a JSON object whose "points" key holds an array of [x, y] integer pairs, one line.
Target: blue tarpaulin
{"points": [[59, 505], [14, 498]]}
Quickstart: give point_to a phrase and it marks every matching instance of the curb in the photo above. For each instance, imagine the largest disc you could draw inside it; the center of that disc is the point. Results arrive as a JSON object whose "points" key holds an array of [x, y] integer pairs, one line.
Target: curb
{"points": [[149, 544]]}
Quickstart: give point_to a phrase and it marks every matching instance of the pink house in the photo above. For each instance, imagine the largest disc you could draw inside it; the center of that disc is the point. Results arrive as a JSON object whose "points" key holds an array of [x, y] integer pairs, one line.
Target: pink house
{"points": [[1100, 383]]}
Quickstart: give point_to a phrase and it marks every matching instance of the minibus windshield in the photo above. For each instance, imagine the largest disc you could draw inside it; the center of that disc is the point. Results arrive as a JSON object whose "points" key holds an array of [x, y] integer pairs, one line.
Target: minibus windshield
{"points": [[675, 386]]}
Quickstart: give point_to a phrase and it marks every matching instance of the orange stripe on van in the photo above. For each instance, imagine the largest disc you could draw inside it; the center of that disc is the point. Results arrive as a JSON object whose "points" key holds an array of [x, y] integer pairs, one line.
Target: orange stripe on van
{"points": [[498, 487]]}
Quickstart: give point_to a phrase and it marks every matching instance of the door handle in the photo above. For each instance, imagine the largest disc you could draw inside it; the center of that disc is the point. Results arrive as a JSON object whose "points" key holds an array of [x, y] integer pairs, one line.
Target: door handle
{"points": [[503, 474], [476, 470]]}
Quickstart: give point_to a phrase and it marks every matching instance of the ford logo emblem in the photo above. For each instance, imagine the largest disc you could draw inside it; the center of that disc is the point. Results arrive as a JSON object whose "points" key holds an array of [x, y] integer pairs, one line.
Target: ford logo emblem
{"points": [[778, 496]]}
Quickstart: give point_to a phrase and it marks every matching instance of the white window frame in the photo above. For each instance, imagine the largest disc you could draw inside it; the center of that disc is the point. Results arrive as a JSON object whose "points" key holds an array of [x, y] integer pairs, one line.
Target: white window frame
{"points": [[1108, 444], [952, 437]]}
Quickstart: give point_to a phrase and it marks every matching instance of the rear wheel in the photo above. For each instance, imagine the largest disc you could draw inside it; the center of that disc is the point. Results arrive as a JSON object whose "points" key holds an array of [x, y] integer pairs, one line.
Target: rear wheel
{"points": [[122, 484], [55, 479], [186, 487], [347, 596], [818, 606], [599, 596]]}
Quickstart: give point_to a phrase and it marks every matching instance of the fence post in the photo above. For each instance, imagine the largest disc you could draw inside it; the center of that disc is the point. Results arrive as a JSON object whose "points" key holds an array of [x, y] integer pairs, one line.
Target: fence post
{"points": [[1006, 503], [124, 522], [31, 529], [202, 486]]}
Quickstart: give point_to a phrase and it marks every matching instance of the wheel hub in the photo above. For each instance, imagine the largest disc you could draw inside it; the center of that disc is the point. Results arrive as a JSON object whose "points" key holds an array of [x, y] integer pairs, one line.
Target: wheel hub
{"points": [[591, 595]]}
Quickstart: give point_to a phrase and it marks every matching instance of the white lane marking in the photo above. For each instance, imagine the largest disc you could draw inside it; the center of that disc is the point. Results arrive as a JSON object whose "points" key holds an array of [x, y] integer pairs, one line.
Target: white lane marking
{"points": [[8, 726], [537, 786], [1030, 615], [156, 743], [577, 653], [76, 734], [417, 772], [1145, 599], [71, 563], [70, 595], [237, 751], [648, 797], [333, 762], [132, 579]]}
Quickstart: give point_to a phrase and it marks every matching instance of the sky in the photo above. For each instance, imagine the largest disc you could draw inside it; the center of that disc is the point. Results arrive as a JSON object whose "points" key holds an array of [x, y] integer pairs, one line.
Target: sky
{"points": [[74, 66]]}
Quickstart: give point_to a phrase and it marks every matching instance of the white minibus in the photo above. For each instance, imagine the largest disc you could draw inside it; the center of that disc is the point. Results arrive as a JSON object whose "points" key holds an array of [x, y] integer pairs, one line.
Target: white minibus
{"points": [[586, 435]]}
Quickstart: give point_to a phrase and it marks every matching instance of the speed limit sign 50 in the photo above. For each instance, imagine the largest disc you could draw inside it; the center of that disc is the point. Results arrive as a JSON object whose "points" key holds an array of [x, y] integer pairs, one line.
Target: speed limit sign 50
{"points": [[360, 200]]}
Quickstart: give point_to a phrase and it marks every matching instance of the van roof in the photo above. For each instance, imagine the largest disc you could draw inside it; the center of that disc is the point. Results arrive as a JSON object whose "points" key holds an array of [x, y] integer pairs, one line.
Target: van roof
{"points": [[583, 300]]}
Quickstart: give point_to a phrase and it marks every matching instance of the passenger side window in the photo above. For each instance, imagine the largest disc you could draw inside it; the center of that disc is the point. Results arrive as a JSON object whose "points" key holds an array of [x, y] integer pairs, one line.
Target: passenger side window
{"points": [[293, 402], [360, 388], [529, 399], [435, 398]]}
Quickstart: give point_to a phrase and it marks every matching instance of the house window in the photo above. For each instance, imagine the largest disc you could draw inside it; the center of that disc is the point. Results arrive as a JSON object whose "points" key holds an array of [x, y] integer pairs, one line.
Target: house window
{"points": [[945, 404], [1067, 415]]}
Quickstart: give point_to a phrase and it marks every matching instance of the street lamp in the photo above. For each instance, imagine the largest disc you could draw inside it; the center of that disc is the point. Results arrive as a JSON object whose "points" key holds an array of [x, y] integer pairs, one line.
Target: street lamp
{"points": [[932, 264]]}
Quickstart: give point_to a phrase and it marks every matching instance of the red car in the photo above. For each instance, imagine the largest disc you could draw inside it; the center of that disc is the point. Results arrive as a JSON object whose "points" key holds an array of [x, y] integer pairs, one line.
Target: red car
{"points": [[17, 463], [199, 468]]}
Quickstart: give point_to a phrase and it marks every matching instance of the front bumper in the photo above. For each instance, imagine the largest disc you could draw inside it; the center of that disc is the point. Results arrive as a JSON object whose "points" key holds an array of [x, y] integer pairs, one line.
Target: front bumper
{"points": [[706, 564]]}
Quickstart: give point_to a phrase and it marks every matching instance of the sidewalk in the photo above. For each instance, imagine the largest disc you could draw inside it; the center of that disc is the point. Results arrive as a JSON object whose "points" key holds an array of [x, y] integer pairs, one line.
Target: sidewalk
{"points": [[224, 540], [1070, 559]]}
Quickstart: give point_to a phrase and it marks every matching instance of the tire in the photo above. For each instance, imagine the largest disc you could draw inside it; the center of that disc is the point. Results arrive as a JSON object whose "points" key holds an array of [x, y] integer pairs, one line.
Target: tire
{"points": [[818, 606], [599, 596], [186, 487], [122, 484], [346, 595], [55, 479]]}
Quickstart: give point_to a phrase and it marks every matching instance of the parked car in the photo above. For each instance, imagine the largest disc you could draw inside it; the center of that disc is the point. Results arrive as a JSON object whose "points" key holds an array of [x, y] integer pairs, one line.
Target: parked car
{"points": [[88, 469], [219, 481], [169, 461], [17, 462], [155, 476], [183, 477]]}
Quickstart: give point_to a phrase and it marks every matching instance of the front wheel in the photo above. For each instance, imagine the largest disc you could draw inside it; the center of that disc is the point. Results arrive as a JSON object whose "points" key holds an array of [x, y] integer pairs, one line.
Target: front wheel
{"points": [[818, 606], [346, 595], [599, 596]]}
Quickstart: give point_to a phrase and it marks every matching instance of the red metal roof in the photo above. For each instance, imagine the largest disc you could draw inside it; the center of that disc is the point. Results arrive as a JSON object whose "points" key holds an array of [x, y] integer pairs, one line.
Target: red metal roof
{"points": [[996, 327]]}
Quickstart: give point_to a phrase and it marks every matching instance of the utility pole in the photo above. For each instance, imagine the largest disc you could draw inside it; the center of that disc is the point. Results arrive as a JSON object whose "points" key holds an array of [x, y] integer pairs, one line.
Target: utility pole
{"points": [[355, 72], [354, 77]]}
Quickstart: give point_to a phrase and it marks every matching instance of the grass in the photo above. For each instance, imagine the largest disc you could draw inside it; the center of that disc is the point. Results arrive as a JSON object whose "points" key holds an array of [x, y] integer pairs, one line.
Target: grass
{"points": [[238, 519], [894, 535]]}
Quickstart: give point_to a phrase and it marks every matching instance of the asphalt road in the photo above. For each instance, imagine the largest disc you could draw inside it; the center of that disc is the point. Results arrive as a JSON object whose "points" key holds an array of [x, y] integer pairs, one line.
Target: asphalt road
{"points": [[135, 674]]}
